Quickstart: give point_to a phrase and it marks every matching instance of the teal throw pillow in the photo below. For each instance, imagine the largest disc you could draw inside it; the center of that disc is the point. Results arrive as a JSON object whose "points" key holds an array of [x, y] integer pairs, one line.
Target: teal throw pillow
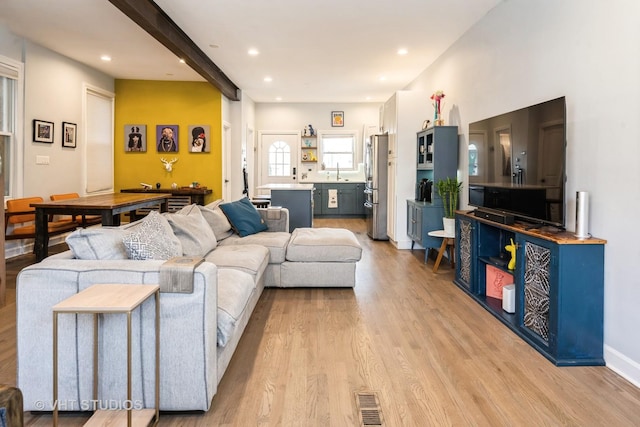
{"points": [[244, 217]]}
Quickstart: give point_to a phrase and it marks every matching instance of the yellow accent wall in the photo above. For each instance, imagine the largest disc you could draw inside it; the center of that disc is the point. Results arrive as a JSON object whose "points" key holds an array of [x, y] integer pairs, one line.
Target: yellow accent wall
{"points": [[154, 103]]}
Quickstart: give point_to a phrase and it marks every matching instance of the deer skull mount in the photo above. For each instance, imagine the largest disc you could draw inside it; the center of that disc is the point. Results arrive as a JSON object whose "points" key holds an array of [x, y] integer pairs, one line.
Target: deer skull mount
{"points": [[168, 164]]}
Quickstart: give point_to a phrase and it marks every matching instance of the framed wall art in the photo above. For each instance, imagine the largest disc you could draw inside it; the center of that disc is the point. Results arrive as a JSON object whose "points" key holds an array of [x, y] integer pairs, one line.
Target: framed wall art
{"points": [[199, 142], [135, 138], [42, 131], [167, 136], [337, 119], [69, 134]]}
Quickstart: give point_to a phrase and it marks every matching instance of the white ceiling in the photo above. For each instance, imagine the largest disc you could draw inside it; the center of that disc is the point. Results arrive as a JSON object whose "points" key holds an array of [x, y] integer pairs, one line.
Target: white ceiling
{"points": [[315, 51]]}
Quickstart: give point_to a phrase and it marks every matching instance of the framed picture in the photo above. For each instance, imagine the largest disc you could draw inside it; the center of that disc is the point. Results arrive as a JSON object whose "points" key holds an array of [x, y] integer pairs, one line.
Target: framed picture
{"points": [[167, 136], [337, 119], [198, 142], [42, 131], [69, 134], [135, 138]]}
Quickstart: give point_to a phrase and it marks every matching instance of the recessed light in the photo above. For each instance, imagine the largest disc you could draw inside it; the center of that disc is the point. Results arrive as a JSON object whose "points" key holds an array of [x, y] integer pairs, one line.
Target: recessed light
{"points": [[105, 58], [182, 61], [382, 78], [214, 46], [278, 98], [253, 52], [402, 51], [268, 79]]}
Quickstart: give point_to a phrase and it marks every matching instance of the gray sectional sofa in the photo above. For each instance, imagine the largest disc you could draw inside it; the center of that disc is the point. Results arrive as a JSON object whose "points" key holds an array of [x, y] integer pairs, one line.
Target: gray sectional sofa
{"points": [[199, 330]]}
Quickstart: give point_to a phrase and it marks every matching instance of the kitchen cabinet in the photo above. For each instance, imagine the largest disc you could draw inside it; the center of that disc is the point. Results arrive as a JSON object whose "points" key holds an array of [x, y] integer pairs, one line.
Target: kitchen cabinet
{"points": [[297, 198], [350, 198], [559, 285], [317, 199]]}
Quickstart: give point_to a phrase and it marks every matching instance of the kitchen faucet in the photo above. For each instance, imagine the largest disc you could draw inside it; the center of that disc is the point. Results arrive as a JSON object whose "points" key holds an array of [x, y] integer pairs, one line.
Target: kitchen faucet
{"points": [[337, 171]]}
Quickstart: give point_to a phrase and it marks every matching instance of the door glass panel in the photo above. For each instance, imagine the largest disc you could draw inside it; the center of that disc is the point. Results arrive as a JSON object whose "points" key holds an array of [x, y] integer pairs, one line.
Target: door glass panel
{"points": [[279, 159]]}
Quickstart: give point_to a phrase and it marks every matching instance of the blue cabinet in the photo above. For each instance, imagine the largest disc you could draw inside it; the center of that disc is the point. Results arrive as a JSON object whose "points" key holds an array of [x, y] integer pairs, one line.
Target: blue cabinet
{"points": [[559, 286], [350, 198], [437, 158], [423, 217]]}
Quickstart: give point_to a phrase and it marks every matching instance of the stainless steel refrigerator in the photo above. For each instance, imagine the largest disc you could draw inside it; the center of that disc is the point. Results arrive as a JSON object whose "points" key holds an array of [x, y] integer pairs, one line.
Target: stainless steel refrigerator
{"points": [[375, 189]]}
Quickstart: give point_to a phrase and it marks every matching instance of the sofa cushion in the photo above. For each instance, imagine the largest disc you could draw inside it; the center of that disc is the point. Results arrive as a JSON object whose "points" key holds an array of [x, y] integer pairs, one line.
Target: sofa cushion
{"points": [[100, 242], [152, 239], [216, 219], [244, 217], [234, 290], [193, 231], [276, 242], [252, 259], [323, 245]]}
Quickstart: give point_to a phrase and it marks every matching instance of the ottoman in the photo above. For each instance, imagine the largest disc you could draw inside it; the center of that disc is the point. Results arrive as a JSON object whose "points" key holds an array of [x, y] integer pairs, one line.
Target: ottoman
{"points": [[321, 257]]}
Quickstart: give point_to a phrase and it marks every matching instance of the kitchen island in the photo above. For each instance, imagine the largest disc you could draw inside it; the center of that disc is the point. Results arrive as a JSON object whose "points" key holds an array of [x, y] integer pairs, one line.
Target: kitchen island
{"points": [[297, 198]]}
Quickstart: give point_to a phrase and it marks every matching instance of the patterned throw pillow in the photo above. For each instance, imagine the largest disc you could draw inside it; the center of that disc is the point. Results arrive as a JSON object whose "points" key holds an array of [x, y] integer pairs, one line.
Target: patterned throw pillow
{"points": [[152, 239]]}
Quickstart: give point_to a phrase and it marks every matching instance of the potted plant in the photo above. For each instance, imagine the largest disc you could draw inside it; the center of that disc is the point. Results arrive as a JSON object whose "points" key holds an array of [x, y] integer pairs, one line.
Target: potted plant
{"points": [[449, 192]]}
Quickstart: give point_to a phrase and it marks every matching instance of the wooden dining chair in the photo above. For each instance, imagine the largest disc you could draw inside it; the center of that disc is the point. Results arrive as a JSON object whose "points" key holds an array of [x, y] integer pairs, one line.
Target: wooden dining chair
{"points": [[21, 216], [83, 221]]}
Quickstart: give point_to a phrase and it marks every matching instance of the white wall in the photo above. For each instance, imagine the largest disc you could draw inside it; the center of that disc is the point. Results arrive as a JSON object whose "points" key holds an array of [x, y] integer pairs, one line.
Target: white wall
{"points": [[524, 52], [53, 92]]}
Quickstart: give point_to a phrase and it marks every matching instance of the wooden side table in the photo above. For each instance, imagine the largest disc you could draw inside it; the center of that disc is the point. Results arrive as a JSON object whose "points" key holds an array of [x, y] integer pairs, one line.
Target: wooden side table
{"points": [[448, 240], [108, 299]]}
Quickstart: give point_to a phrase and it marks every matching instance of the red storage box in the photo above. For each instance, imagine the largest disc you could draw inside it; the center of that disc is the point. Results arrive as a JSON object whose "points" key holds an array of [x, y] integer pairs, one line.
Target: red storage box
{"points": [[496, 280]]}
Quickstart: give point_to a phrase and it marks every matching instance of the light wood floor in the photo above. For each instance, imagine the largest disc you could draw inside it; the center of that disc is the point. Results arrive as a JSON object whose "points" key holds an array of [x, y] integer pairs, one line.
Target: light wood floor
{"points": [[432, 355]]}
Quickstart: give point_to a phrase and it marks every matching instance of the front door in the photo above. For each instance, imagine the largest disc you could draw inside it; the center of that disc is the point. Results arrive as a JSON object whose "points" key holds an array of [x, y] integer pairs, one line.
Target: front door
{"points": [[278, 158]]}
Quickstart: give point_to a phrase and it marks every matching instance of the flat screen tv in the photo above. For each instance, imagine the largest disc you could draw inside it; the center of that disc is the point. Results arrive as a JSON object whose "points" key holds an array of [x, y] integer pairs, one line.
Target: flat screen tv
{"points": [[517, 164]]}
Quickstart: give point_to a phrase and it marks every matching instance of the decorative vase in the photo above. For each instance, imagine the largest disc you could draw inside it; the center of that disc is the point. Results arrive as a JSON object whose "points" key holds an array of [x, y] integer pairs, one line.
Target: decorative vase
{"points": [[449, 226]]}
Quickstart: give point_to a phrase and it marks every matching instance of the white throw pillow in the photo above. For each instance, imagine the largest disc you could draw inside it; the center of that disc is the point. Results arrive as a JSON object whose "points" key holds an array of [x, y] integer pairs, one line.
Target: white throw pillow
{"points": [[97, 243], [152, 239], [193, 231], [217, 220]]}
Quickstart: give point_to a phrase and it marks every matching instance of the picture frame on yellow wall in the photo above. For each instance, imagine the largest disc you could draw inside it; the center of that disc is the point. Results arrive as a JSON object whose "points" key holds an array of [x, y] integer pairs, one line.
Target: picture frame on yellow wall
{"points": [[167, 138], [199, 139], [135, 138]]}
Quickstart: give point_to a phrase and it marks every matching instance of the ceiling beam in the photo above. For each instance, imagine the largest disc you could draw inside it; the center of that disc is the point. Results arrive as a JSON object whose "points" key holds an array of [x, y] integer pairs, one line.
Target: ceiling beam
{"points": [[154, 21]]}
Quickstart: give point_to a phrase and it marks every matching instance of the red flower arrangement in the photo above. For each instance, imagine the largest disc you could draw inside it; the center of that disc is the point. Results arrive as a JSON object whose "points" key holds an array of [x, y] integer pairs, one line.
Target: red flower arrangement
{"points": [[437, 98]]}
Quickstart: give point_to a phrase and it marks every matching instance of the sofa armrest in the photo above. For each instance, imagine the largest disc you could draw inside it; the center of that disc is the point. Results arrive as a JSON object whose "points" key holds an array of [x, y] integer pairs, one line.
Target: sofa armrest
{"points": [[277, 219]]}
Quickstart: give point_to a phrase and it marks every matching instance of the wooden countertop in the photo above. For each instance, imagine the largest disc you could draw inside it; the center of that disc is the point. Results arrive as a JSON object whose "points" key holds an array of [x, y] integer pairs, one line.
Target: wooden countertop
{"points": [[547, 232]]}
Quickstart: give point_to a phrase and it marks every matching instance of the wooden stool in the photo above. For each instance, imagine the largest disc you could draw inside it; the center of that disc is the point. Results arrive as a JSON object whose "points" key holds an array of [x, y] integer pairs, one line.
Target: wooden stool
{"points": [[448, 241]]}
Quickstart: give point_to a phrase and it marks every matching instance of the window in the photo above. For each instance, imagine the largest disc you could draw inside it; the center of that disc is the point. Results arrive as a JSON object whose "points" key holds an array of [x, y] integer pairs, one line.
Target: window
{"points": [[337, 150], [279, 159], [10, 116]]}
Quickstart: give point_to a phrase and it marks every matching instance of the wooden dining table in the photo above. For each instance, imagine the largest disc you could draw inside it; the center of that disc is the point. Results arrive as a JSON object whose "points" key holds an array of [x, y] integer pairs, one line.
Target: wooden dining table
{"points": [[108, 206]]}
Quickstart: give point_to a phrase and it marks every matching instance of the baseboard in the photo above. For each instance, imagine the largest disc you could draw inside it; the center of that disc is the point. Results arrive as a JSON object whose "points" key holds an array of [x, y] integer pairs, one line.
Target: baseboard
{"points": [[27, 248], [622, 365], [402, 244]]}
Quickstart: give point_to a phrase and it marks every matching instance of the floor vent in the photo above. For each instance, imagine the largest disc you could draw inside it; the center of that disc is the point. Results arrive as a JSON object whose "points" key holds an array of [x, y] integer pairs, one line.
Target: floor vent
{"points": [[369, 409]]}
